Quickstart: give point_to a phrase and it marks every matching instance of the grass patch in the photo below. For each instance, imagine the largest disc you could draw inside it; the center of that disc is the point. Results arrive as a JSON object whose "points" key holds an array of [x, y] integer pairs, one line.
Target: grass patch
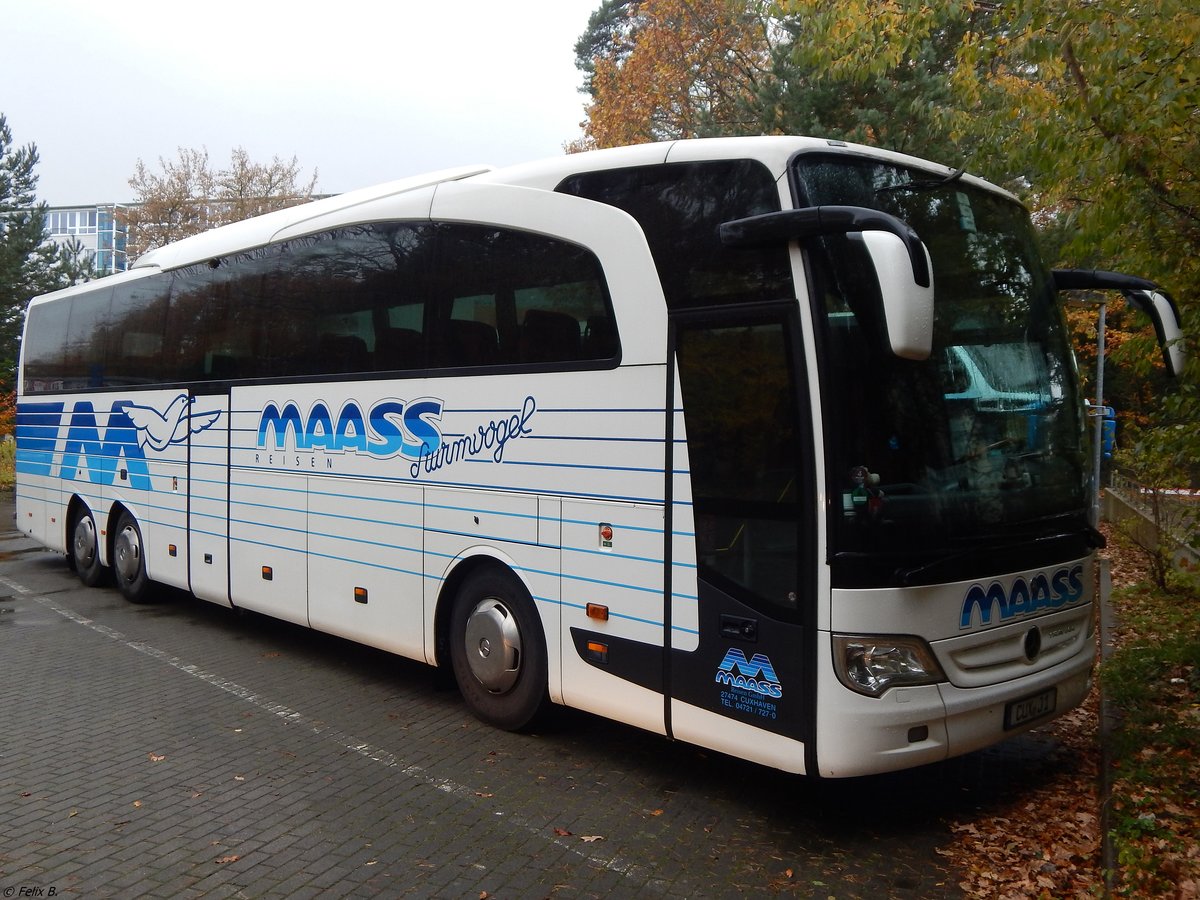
{"points": [[1154, 680]]}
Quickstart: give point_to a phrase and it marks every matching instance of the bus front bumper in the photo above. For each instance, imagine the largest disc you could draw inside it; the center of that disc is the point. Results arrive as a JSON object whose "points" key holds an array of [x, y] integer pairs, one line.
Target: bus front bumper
{"points": [[913, 726]]}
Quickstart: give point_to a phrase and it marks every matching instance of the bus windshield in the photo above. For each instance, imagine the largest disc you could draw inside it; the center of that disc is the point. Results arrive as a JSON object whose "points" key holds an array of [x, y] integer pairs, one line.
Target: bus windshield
{"points": [[970, 461]]}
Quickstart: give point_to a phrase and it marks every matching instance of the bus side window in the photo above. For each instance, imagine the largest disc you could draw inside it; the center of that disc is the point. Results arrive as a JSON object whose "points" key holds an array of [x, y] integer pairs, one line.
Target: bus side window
{"points": [[680, 206], [287, 340], [237, 342], [522, 298], [401, 259], [88, 330], [42, 349], [600, 338], [470, 342], [196, 325], [398, 348], [549, 336], [342, 353], [139, 319]]}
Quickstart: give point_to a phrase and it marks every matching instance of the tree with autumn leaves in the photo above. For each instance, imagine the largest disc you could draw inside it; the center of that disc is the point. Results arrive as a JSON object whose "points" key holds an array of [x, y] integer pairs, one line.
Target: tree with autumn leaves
{"points": [[1084, 108], [188, 194], [661, 69]]}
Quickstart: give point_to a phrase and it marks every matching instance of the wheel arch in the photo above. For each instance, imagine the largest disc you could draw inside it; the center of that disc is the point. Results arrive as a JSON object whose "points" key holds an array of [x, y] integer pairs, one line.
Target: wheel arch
{"points": [[106, 523], [74, 505], [467, 563]]}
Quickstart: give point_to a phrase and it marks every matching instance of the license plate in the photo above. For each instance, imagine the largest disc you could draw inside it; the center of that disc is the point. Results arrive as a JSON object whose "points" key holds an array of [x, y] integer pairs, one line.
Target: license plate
{"points": [[1027, 709]]}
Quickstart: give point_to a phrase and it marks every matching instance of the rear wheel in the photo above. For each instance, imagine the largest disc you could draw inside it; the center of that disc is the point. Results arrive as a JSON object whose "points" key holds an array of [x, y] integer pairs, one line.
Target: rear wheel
{"points": [[129, 564], [497, 650], [85, 548]]}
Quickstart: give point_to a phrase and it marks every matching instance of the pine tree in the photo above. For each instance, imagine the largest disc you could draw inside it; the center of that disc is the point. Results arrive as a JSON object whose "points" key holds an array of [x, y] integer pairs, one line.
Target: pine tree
{"points": [[30, 264]]}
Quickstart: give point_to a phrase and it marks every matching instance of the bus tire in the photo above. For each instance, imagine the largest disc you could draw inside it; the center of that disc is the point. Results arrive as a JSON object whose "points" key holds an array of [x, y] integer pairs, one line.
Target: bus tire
{"points": [[129, 564], [84, 555], [498, 651]]}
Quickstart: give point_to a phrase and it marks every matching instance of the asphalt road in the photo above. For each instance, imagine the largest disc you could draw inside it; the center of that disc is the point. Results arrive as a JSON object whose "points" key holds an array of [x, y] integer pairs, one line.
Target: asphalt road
{"points": [[181, 749]]}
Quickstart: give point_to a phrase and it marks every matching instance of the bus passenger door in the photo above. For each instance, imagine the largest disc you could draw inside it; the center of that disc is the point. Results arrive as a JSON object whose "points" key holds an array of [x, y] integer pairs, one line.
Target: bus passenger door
{"points": [[743, 510], [208, 500]]}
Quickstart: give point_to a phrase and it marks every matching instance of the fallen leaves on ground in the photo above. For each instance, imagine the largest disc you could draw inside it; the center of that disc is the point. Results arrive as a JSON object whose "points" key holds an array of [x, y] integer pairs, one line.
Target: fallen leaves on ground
{"points": [[1046, 842]]}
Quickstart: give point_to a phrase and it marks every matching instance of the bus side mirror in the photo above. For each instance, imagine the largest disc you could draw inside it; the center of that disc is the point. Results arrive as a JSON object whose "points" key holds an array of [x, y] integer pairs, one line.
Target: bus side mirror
{"points": [[1146, 296], [1162, 312], [907, 305], [902, 266]]}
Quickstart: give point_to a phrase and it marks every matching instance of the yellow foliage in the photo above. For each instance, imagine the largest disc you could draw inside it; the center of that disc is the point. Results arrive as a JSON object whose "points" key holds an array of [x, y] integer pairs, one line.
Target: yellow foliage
{"points": [[682, 68]]}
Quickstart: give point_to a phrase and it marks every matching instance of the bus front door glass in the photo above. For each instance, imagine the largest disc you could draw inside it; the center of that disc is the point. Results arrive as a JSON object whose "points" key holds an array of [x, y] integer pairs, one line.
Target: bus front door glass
{"points": [[745, 453]]}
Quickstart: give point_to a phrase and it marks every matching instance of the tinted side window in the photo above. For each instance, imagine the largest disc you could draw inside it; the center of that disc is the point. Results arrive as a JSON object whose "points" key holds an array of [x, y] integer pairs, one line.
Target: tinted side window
{"points": [[360, 292], [87, 335], [135, 338], [680, 208], [197, 343], [509, 297], [45, 341], [378, 297], [106, 337]]}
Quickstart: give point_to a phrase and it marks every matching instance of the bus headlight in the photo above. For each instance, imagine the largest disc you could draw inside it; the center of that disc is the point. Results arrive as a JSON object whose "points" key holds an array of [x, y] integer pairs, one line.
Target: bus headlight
{"points": [[870, 664]]}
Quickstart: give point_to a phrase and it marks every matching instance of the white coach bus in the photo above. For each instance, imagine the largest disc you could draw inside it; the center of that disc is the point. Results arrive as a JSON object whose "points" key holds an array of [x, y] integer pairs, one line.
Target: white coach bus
{"points": [[683, 434]]}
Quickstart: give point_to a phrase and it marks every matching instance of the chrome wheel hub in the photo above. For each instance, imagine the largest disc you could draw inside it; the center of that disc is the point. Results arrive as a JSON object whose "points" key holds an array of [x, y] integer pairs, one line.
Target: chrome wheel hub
{"points": [[493, 644], [84, 546], [128, 553]]}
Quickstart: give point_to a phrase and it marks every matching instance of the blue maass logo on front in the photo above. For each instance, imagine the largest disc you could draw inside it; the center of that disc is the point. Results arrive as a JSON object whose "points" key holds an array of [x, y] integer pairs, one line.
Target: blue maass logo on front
{"points": [[1023, 598], [755, 674]]}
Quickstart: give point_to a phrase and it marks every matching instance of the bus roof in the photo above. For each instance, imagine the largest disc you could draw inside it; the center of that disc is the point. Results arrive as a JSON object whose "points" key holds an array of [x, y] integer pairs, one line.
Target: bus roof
{"points": [[773, 151]]}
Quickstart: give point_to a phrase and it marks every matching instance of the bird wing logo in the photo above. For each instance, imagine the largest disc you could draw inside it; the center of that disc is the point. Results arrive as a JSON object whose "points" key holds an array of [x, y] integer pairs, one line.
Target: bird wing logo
{"points": [[159, 430]]}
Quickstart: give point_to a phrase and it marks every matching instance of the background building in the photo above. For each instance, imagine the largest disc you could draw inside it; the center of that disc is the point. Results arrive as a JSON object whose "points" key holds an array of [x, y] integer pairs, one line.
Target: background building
{"points": [[99, 231]]}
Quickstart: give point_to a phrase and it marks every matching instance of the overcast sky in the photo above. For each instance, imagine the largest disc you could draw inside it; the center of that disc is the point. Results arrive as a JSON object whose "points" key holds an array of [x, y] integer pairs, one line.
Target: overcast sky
{"points": [[363, 91]]}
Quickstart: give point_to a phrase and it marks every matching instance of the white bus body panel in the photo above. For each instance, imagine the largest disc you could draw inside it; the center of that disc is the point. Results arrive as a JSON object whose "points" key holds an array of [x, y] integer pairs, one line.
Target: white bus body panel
{"points": [[208, 512], [612, 557], [161, 510], [366, 534], [268, 541]]}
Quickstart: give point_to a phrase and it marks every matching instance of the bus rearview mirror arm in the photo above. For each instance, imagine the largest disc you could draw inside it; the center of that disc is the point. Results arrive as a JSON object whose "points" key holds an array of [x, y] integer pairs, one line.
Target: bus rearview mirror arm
{"points": [[902, 266], [1142, 293]]}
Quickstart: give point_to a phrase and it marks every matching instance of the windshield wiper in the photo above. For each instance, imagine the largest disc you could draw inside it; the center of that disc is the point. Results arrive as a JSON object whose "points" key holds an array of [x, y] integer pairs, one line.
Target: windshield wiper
{"points": [[923, 184]]}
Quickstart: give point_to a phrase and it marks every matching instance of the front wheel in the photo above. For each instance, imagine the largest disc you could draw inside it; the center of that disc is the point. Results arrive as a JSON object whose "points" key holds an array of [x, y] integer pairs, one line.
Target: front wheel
{"points": [[497, 650], [129, 562]]}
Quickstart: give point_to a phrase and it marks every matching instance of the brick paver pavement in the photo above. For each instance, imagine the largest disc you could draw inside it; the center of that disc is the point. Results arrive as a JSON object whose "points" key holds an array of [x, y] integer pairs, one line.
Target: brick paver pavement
{"points": [[184, 750]]}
